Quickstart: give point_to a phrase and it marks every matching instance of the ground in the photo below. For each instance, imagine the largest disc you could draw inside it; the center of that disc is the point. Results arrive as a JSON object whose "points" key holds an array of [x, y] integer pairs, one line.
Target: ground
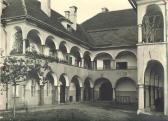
{"points": [[82, 112]]}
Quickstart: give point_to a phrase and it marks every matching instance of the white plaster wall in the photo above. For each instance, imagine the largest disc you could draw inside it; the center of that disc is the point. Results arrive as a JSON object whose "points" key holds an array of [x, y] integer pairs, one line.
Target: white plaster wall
{"points": [[126, 85], [48, 98], [130, 59], [32, 100]]}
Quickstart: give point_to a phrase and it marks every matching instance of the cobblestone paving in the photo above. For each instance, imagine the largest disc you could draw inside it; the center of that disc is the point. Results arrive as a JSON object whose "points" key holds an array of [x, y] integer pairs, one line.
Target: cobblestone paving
{"points": [[81, 112]]}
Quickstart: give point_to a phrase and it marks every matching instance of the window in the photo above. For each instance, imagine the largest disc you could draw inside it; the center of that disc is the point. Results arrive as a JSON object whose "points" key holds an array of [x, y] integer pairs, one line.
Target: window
{"points": [[69, 28], [106, 64], [121, 65]]}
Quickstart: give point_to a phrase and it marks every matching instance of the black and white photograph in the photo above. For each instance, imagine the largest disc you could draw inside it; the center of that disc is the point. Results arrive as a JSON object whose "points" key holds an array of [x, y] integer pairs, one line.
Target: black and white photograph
{"points": [[83, 60]]}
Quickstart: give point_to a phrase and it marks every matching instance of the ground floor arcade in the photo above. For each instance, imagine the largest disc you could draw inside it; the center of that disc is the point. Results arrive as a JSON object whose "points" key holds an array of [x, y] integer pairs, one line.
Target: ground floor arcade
{"points": [[33, 93]]}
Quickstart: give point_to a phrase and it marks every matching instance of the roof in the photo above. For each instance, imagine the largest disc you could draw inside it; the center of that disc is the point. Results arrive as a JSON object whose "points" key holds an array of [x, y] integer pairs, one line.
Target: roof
{"points": [[117, 37], [114, 28], [30, 9], [111, 19], [95, 32]]}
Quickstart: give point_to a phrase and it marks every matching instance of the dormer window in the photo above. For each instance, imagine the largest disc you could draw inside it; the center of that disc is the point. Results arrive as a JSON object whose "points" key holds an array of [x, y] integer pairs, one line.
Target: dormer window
{"points": [[68, 27]]}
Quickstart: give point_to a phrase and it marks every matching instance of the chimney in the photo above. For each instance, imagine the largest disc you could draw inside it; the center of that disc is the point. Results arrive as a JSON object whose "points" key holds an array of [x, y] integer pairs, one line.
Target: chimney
{"points": [[67, 14], [46, 7], [104, 10], [73, 16], [1, 5]]}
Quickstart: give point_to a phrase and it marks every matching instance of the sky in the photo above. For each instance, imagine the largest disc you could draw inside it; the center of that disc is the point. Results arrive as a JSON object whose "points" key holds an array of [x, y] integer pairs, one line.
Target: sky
{"points": [[88, 8]]}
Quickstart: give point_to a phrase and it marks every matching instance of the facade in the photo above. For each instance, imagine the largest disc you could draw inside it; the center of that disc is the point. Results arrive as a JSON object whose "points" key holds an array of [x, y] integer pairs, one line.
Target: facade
{"points": [[117, 56]]}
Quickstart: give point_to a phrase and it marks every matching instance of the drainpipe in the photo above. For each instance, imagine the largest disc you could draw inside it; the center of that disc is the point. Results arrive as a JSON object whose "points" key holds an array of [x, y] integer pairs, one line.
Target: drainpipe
{"points": [[165, 90]]}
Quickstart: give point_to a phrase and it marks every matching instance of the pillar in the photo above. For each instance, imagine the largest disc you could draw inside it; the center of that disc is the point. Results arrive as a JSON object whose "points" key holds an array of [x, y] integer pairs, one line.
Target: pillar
{"points": [[67, 94], [58, 94], [68, 58], [114, 95], [24, 46], [152, 97], [140, 33], [141, 99], [82, 89], [147, 107], [54, 94], [113, 64], [42, 49], [93, 65], [82, 63], [41, 95], [91, 94]]}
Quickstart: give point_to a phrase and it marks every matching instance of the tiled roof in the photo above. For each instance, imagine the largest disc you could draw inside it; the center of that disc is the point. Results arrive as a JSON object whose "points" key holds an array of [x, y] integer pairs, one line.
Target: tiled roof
{"points": [[32, 10], [124, 20], [115, 28], [123, 36], [111, 19]]}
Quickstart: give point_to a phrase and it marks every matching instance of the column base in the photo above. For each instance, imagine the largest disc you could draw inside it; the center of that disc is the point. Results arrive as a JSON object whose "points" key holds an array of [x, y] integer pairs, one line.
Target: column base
{"points": [[143, 111], [147, 109], [140, 111]]}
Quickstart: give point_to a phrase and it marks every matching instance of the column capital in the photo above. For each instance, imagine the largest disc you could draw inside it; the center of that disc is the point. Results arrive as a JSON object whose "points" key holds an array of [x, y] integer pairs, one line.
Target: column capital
{"points": [[141, 85], [139, 25]]}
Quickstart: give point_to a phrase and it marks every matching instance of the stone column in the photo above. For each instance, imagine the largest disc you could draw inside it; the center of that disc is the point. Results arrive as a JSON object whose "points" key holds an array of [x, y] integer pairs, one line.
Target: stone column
{"points": [[82, 63], [41, 95], [24, 46], [67, 94], [58, 94], [140, 33], [141, 99], [147, 107], [113, 64], [114, 94], [68, 58], [91, 94], [42, 49], [82, 89], [93, 65]]}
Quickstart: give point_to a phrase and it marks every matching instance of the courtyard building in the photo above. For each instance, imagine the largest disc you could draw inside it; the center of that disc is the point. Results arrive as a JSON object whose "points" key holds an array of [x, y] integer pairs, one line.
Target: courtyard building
{"points": [[115, 56]]}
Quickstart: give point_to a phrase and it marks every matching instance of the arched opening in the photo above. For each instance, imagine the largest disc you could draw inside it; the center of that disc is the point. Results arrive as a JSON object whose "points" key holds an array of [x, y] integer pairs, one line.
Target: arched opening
{"points": [[126, 91], [103, 90], [49, 89], [88, 90], [87, 60], [75, 55], [63, 84], [62, 54], [17, 47], [75, 89], [126, 60], [154, 86], [153, 25], [103, 61], [50, 49], [33, 42]]}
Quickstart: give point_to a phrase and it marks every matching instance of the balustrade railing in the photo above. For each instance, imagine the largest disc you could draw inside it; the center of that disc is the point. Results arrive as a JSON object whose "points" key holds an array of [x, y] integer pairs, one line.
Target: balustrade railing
{"points": [[54, 58]]}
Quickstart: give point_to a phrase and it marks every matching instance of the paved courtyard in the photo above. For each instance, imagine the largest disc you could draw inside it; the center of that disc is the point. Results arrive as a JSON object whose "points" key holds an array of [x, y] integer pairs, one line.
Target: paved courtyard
{"points": [[80, 112]]}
